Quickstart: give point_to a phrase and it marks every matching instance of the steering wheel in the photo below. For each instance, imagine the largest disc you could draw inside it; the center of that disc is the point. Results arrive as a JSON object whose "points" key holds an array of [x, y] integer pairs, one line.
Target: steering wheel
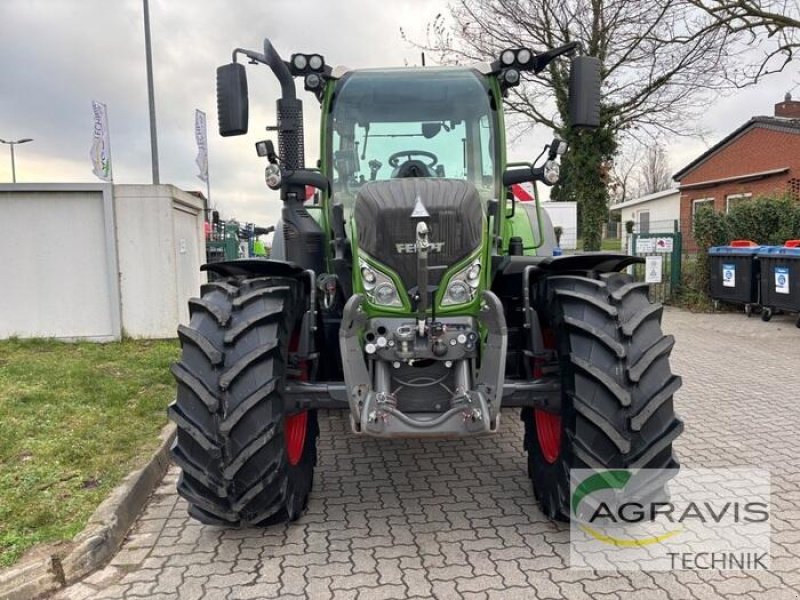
{"points": [[394, 159]]}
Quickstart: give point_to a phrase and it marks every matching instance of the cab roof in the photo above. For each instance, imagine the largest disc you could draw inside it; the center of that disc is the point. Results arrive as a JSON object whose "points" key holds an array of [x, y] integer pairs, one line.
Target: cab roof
{"points": [[409, 94]]}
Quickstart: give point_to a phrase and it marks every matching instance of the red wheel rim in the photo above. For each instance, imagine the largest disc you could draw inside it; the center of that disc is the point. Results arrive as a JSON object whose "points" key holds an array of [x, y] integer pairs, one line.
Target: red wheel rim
{"points": [[548, 425], [294, 431], [548, 431], [295, 426]]}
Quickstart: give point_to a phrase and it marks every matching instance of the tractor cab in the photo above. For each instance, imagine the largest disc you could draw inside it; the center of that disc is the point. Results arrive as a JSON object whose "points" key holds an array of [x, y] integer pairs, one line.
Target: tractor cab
{"points": [[411, 123]]}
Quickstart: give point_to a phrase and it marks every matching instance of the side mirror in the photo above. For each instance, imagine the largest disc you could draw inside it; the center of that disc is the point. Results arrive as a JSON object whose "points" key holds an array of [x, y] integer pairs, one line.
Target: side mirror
{"points": [[232, 104], [584, 92]]}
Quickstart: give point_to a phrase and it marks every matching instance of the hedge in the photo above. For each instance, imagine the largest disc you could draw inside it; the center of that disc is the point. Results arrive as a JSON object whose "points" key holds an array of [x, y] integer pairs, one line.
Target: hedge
{"points": [[768, 220]]}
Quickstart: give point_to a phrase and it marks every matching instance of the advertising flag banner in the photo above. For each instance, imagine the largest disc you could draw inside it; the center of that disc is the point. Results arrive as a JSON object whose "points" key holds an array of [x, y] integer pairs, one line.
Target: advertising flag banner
{"points": [[202, 144], [100, 153]]}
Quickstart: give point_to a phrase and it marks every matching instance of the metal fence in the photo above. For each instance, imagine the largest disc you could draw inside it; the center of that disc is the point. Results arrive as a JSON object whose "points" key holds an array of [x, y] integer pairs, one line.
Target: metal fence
{"points": [[662, 268], [663, 226]]}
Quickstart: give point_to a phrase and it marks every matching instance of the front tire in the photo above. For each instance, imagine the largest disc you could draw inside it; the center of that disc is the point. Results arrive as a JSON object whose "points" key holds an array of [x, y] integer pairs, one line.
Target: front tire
{"points": [[617, 386], [246, 459]]}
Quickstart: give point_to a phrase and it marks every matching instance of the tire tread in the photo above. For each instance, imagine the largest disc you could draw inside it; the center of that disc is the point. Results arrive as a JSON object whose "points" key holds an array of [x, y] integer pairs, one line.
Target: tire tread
{"points": [[230, 406], [618, 386]]}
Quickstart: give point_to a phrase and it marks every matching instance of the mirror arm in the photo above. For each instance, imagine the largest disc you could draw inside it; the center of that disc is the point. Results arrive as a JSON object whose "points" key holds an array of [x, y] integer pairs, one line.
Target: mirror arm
{"points": [[530, 174], [254, 57], [273, 60], [304, 177], [517, 176], [537, 174], [545, 58]]}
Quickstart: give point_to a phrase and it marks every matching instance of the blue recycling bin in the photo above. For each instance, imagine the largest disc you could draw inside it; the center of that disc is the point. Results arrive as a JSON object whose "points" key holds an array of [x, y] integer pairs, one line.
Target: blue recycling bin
{"points": [[735, 273], [780, 280]]}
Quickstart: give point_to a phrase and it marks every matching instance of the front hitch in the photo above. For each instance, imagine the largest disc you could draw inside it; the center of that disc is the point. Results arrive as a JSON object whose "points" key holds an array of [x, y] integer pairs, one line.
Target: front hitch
{"points": [[474, 403]]}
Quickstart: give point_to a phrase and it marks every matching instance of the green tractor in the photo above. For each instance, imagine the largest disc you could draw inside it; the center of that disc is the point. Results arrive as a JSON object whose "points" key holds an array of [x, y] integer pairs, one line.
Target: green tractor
{"points": [[409, 289]]}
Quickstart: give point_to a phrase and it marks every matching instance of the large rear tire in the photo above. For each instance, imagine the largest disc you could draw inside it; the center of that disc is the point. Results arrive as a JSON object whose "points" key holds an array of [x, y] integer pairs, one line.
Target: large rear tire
{"points": [[617, 409], [245, 459]]}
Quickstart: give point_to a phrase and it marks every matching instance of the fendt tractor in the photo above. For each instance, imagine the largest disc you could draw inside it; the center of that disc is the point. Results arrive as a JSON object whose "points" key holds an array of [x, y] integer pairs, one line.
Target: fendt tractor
{"points": [[408, 287]]}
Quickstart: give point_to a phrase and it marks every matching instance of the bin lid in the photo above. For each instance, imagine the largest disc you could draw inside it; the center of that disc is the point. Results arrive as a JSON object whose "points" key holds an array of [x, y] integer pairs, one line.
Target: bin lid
{"points": [[776, 251], [735, 250]]}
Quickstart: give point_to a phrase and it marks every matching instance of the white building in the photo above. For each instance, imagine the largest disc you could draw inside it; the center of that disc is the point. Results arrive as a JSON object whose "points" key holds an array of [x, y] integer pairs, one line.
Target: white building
{"points": [[654, 213]]}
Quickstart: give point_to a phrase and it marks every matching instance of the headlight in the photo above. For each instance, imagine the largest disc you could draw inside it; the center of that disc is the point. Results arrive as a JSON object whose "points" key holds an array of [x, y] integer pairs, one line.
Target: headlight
{"points": [[463, 284], [511, 76], [386, 294], [369, 276], [315, 61], [272, 175], [551, 172], [300, 61], [379, 287], [457, 293], [474, 272]]}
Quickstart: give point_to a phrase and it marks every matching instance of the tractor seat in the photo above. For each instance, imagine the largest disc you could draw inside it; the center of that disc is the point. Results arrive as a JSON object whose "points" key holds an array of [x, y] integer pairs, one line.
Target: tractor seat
{"points": [[412, 168]]}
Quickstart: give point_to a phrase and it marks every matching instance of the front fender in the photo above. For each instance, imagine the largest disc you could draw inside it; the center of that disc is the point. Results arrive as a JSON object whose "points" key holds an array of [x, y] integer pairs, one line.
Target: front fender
{"points": [[602, 262], [258, 267]]}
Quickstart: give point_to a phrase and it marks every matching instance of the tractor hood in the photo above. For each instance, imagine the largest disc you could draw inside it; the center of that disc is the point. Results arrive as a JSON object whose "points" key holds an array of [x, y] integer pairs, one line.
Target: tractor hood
{"points": [[386, 216]]}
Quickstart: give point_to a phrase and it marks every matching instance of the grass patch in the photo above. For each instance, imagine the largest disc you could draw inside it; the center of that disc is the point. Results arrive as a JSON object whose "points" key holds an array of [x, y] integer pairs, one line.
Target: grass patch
{"points": [[609, 245], [74, 420]]}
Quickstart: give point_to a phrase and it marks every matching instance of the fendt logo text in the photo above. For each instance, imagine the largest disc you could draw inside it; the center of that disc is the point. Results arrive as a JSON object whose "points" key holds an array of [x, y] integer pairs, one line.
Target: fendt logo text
{"points": [[411, 248]]}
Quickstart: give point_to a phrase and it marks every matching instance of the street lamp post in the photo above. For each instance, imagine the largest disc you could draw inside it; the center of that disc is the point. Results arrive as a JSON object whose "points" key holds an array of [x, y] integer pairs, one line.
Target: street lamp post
{"points": [[151, 94], [12, 144]]}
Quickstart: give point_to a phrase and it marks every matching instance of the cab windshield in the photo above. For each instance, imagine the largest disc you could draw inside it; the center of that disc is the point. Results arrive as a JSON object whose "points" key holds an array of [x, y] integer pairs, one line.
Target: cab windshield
{"points": [[412, 123]]}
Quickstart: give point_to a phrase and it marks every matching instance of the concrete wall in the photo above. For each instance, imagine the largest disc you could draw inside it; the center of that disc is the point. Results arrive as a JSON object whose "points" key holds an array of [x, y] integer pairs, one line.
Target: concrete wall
{"points": [[59, 262], [94, 261], [161, 247]]}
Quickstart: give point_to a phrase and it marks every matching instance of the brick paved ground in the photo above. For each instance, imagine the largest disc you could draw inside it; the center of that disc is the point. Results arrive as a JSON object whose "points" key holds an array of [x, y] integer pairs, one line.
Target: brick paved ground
{"points": [[457, 519]]}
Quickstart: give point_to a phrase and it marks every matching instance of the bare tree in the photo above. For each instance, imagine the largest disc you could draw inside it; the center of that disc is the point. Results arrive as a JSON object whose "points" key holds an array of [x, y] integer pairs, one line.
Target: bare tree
{"points": [[663, 61], [638, 170], [653, 172], [621, 184], [775, 23]]}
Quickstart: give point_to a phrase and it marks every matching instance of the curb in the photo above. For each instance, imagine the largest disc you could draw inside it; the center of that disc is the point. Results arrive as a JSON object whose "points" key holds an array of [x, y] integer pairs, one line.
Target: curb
{"points": [[99, 540]]}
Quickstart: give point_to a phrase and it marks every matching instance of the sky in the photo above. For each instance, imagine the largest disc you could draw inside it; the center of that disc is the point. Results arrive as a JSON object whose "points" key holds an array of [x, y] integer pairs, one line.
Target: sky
{"points": [[56, 56]]}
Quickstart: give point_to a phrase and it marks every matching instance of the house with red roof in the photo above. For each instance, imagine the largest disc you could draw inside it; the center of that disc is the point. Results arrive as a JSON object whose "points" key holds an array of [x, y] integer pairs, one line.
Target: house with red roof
{"points": [[761, 157]]}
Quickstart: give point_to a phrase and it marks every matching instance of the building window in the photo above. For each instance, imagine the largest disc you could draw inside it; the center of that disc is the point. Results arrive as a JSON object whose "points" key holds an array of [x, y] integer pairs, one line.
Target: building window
{"points": [[644, 221], [793, 188], [733, 199], [700, 203]]}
